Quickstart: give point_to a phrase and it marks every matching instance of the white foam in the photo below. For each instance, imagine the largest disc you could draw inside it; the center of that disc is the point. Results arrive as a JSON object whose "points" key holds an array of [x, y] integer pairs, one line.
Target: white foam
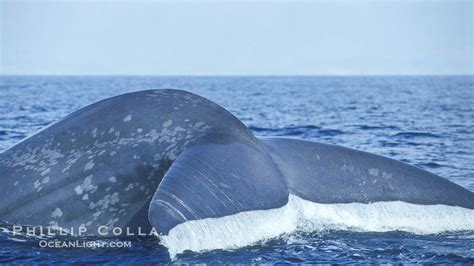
{"points": [[246, 228]]}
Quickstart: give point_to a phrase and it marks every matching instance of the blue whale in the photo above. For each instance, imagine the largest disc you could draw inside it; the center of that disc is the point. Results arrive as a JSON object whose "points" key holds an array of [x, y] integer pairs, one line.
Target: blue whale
{"points": [[161, 158]]}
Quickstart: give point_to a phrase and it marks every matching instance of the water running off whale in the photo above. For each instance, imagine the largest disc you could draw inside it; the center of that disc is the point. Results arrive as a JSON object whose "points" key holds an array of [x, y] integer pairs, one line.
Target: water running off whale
{"points": [[178, 162]]}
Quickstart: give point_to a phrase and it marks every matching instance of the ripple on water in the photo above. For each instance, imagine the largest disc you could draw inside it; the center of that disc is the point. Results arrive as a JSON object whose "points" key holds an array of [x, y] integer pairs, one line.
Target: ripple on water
{"points": [[375, 114]]}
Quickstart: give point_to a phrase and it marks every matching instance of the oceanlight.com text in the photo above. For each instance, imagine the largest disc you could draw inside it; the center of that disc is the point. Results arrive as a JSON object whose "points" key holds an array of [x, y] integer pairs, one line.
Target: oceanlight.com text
{"points": [[93, 244]]}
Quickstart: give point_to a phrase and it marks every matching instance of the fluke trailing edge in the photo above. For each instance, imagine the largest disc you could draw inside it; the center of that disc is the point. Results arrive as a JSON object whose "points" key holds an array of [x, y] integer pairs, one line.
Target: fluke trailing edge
{"points": [[164, 157]]}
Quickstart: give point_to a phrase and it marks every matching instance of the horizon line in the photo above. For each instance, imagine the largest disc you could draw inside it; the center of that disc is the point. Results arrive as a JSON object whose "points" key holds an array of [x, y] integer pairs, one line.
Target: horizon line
{"points": [[237, 75]]}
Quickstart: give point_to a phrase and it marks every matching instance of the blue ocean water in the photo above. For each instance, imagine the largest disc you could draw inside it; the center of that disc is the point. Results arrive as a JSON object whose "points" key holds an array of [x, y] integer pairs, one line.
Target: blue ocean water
{"points": [[427, 121]]}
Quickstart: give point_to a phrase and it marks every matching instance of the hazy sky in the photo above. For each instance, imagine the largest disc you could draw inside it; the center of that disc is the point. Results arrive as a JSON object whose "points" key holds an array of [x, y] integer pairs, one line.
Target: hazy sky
{"points": [[236, 38]]}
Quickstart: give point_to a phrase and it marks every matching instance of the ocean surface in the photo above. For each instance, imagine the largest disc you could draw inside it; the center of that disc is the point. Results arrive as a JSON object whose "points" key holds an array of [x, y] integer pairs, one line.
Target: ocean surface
{"points": [[426, 121]]}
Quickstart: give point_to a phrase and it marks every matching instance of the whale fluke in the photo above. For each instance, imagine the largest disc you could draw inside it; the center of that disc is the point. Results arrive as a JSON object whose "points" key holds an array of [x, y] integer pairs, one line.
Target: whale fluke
{"points": [[333, 174]]}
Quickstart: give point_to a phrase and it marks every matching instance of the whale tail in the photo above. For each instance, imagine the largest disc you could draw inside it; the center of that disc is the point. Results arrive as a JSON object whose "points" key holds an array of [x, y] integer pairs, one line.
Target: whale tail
{"points": [[216, 180], [326, 173]]}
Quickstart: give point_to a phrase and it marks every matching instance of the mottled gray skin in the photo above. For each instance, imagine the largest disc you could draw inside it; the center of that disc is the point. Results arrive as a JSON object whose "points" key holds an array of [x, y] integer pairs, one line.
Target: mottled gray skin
{"points": [[332, 174], [102, 164], [163, 157]]}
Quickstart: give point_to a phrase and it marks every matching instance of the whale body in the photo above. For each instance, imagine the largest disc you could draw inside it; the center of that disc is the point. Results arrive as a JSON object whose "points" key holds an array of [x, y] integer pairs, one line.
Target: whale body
{"points": [[163, 158]]}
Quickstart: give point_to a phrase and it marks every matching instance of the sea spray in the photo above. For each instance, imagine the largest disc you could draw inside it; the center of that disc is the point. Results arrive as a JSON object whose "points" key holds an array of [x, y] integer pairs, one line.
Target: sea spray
{"points": [[246, 228]]}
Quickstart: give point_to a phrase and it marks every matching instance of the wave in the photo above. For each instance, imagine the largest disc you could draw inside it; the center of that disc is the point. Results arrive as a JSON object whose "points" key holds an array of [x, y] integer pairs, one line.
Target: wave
{"points": [[368, 127], [308, 130], [410, 135], [247, 228]]}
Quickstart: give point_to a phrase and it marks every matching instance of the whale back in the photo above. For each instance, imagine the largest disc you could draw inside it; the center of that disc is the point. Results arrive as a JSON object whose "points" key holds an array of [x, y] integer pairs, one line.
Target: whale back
{"points": [[102, 164]]}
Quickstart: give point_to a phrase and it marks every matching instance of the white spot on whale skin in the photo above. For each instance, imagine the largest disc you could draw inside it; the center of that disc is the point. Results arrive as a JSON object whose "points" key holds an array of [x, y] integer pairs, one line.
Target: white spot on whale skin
{"points": [[53, 224], [57, 213], [167, 123], [85, 197], [89, 165], [16, 183], [111, 223], [86, 186], [199, 124], [112, 179], [374, 171], [111, 130], [45, 172], [127, 118], [46, 180], [139, 130], [78, 190], [36, 184], [96, 214], [130, 186], [386, 175], [114, 199]]}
